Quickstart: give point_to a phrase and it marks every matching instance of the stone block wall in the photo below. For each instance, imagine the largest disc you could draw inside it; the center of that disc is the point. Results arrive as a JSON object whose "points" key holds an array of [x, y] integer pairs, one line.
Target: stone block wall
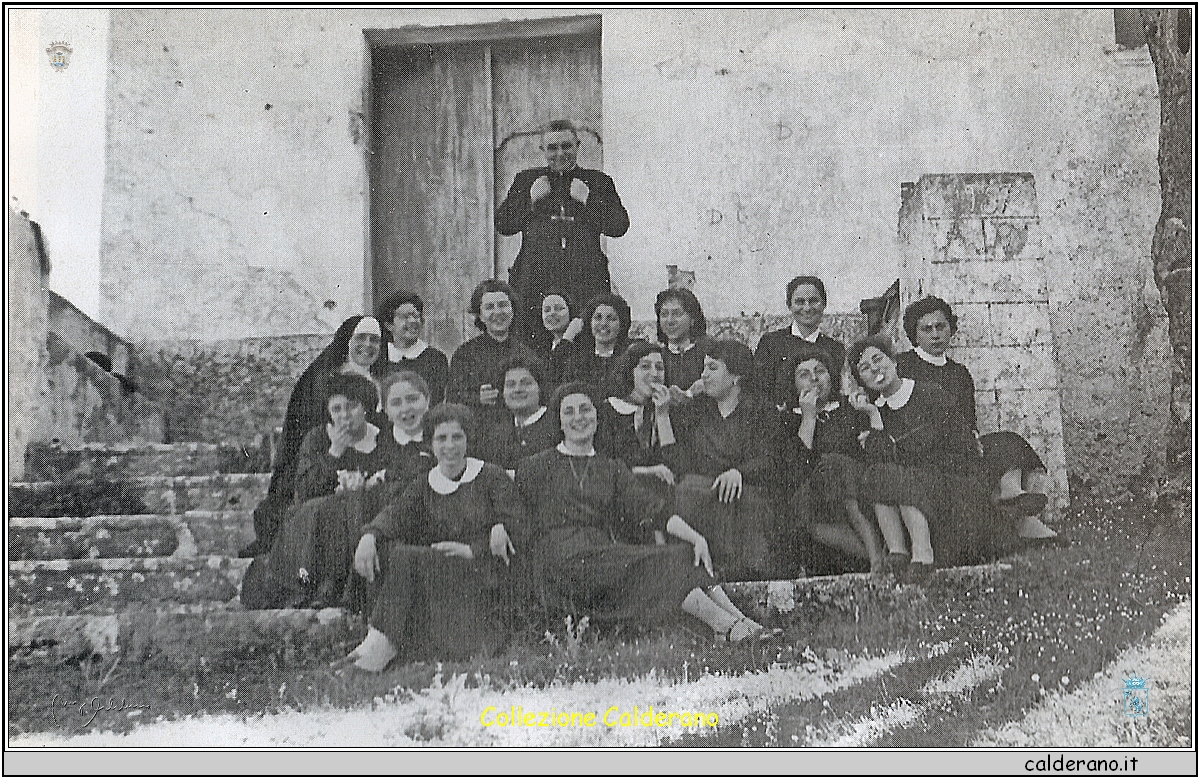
{"points": [[237, 391], [28, 274], [84, 334], [974, 240]]}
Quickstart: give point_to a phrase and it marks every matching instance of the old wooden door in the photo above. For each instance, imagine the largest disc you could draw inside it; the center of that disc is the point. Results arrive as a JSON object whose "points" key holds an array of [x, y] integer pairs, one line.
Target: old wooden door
{"points": [[451, 125]]}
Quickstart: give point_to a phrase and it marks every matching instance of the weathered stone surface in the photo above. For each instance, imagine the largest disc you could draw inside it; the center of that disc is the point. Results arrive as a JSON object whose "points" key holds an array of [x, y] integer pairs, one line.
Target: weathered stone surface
{"points": [[116, 462], [177, 494], [121, 582], [845, 596], [65, 539], [212, 637], [28, 290]]}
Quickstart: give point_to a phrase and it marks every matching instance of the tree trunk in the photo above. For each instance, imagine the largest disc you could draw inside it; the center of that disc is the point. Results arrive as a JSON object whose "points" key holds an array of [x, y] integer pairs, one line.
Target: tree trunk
{"points": [[1168, 34]]}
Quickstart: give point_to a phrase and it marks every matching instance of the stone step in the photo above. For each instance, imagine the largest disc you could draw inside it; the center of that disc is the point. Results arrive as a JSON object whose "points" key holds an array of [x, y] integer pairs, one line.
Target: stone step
{"points": [[123, 582], [136, 536], [115, 462], [168, 494], [208, 637]]}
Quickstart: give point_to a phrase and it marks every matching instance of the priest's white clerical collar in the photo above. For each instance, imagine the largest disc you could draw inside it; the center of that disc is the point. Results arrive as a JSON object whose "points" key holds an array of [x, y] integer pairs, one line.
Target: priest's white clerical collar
{"points": [[529, 420], [366, 444], [396, 354], [404, 439], [444, 485], [677, 350], [811, 338], [562, 449], [622, 406], [899, 398], [832, 405], [929, 358]]}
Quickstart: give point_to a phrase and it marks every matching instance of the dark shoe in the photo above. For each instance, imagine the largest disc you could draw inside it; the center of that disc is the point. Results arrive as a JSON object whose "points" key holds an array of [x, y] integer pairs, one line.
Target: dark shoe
{"points": [[1027, 504], [895, 565], [919, 573]]}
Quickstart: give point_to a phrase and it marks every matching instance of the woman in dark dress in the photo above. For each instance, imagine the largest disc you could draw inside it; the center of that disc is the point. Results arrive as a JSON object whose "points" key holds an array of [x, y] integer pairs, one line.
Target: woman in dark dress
{"points": [[559, 328], [1017, 474], [926, 479], [606, 334], [806, 299], [579, 501], [340, 478], [446, 574], [305, 410], [403, 314], [726, 448], [682, 329], [526, 428], [477, 367], [821, 461]]}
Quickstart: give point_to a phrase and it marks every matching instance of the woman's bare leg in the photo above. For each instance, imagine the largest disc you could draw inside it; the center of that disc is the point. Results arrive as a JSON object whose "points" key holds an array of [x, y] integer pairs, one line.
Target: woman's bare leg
{"points": [[1036, 481], [868, 534], [701, 606], [918, 531], [717, 593], [1010, 485], [892, 528]]}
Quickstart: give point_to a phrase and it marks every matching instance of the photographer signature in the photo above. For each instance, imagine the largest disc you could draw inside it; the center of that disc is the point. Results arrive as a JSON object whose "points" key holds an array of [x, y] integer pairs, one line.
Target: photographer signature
{"points": [[93, 706]]}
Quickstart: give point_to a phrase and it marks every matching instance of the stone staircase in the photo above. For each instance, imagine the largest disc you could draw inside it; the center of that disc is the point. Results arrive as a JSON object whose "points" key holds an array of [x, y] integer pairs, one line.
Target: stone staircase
{"points": [[161, 582]]}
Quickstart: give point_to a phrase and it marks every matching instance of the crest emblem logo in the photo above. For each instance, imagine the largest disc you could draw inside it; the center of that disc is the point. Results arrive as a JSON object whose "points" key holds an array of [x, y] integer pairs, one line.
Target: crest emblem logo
{"points": [[1137, 697], [60, 55]]}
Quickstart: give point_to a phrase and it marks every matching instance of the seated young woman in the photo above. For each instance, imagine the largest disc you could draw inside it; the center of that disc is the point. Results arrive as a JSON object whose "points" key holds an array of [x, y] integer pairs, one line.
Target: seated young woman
{"points": [[477, 367], [403, 315], [726, 449], [341, 482], [926, 479], [355, 349], [445, 572], [558, 331], [821, 461], [578, 502], [526, 428], [806, 299], [682, 329], [1017, 473], [606, 334]]}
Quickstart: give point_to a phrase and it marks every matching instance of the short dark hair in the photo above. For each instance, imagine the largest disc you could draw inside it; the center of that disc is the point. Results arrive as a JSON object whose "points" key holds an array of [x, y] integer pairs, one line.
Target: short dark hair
{"points": [[927, 305], [690, 303], [529, 362], [799, 280], [386, 311], [880, 341], [738, 358], [562, 293], [805, 352], [570, 388], [450, 412], [492, 285], [620, 380], [624, 316], [561, 126], [392, 378], [353, 386]]}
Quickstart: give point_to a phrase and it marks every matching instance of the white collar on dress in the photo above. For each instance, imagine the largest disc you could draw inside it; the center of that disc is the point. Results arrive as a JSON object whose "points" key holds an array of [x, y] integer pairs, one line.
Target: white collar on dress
{"points": [[812, 339], [529, 420], [404, 439], [611, 352], [366, 444], [622, 406], [350, 366], [443, 485], [562, 449], [929, 358], [899, 398], [674, 350], [395, 353]]}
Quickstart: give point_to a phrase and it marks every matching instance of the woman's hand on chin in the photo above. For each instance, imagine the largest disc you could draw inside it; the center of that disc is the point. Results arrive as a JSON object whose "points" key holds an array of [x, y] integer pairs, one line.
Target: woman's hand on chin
{"points": [[454, 549]]}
